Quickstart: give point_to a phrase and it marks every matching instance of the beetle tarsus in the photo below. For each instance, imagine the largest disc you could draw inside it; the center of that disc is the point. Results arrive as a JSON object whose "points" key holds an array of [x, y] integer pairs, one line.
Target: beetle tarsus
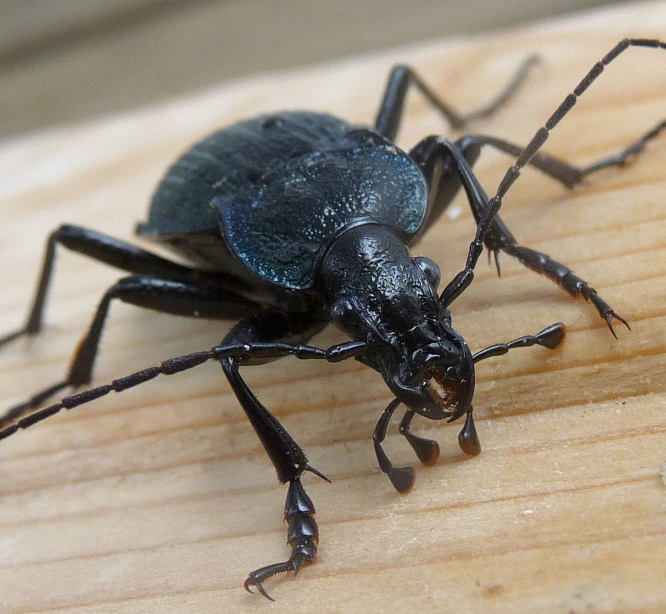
{"points": [[603, 308], [302, 536], [612, 315], [627, 155], [401, 77]]}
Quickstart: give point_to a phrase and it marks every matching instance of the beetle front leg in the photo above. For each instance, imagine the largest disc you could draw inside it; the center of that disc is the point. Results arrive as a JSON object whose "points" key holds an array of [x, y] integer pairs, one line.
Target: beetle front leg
{"points": [[286, 455], [302, 536], [438, 158], [290, 462]]}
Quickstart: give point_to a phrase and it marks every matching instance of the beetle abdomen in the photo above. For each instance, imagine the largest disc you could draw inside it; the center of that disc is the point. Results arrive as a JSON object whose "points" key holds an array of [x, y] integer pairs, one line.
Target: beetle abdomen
{"points": [[282, 228], [230, 162]]}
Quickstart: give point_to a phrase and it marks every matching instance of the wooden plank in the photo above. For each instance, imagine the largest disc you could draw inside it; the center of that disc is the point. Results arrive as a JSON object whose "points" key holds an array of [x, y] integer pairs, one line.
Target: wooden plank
{"points": [[161, 499]]}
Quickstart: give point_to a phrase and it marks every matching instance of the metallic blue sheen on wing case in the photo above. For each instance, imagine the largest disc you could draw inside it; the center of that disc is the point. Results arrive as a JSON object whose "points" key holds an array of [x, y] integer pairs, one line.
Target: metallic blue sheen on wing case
{"points": [[321, 194]]}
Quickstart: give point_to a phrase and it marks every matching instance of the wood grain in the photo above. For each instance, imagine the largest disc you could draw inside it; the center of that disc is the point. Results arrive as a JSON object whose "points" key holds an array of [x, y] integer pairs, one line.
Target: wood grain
{"points": [[161, 499]]}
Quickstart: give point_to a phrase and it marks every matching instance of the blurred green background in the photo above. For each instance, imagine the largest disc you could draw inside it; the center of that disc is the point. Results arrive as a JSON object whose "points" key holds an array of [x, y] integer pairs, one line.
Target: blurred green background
{"points": [[67, 60]]}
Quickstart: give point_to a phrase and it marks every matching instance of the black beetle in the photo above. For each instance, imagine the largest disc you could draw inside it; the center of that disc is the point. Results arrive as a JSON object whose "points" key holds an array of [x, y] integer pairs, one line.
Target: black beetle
{"points": [[297, 219]]}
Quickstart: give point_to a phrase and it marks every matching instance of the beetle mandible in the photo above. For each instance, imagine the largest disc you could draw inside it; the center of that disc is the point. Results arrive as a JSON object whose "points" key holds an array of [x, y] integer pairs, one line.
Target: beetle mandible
{"points": [[297, 219]]}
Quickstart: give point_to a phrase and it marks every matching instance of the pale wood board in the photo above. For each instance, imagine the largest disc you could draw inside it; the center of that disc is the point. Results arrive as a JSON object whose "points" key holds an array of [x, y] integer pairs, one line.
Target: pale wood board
{"points": [[161, 499]]}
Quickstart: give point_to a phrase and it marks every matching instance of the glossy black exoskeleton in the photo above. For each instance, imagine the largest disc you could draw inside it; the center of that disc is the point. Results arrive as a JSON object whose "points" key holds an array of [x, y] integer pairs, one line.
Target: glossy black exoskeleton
{"points": [[294, 220]]}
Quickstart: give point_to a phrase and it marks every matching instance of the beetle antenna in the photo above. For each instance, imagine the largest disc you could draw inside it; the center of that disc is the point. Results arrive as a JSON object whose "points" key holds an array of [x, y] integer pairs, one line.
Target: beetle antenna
{"points": [[567, 104], [168, 367], [240, 351]]}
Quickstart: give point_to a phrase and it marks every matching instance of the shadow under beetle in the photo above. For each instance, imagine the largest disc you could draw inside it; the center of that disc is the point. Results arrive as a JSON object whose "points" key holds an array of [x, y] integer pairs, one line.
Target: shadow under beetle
{"points": [[297, 219]]}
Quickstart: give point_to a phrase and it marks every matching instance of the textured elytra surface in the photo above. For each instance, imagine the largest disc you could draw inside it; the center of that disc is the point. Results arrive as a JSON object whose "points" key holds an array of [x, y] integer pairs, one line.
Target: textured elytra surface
{"points": [[320, 195], [161, 499]]}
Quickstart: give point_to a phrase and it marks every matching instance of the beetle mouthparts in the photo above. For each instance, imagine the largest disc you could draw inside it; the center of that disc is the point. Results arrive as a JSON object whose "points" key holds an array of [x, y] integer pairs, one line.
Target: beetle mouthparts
{"points": [[442, 390]]}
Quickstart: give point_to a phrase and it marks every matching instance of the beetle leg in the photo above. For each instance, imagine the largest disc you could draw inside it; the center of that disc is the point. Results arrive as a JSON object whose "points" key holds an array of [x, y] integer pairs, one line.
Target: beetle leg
{"points": [[286, 455], [444, 180], [625, 156], [564, 277], [401, 77], [564, 172], [444, 183], [439, 158], [99, 246], [401, 477], [536, 260], [445, 171], [183, 298], [302, 536], [426, 449], [499, 237]]}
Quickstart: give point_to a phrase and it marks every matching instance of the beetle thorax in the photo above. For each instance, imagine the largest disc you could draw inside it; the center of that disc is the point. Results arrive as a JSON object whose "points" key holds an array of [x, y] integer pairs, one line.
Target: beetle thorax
{"points": [[369, 266]]}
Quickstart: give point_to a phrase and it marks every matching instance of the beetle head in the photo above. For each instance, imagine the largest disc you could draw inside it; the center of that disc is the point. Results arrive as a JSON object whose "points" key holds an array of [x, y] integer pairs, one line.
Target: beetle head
{"points": [[436, 379], [379, 294]]}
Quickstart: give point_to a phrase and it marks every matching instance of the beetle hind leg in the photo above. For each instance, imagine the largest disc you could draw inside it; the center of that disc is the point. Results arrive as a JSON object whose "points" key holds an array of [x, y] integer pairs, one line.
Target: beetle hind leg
{"points": [[401, 78], [100, 247], [183, 298]]}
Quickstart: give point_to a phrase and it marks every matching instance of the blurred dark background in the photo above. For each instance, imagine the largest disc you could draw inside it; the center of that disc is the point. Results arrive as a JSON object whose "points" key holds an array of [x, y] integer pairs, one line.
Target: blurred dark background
{"points": [[66, 60]]}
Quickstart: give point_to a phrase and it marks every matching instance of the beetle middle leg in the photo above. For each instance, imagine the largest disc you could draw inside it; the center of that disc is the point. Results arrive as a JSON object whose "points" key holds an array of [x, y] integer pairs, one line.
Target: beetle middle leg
{"points": [[567, 174], [101, 247], [447, 166], [444, 181], [184, 298]]}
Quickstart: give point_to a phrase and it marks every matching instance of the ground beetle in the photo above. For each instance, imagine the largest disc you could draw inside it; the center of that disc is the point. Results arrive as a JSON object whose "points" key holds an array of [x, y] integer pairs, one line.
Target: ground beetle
{"points": [[297, 219]]}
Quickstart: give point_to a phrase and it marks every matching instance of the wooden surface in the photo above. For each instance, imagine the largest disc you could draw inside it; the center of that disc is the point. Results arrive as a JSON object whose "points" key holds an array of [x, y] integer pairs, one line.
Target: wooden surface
{"points": [[161, 499]]}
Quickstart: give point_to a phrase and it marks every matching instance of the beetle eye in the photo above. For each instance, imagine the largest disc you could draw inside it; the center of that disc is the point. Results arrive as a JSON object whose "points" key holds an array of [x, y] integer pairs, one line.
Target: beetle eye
{"points": [[343, 314], [430, 270]]}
